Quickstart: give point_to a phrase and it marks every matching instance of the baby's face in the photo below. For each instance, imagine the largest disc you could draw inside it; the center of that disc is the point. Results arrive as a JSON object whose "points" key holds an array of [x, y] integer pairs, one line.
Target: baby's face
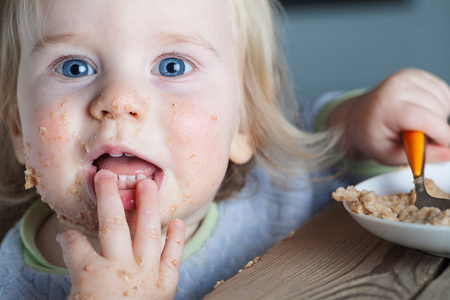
{"points": [[142, 88]]}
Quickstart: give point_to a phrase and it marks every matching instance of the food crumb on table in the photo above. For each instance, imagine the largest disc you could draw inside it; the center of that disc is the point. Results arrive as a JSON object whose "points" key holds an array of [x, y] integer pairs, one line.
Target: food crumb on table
{"points": [[218, 283]]}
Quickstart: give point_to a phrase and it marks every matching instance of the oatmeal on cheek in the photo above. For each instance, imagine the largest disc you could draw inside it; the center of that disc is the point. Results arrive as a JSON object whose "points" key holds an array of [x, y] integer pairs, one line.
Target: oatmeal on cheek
{"points": [[396, 207]]}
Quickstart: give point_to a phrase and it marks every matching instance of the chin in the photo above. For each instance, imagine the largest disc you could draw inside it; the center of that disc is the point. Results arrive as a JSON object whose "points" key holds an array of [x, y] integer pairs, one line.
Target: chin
{"points": [[86, 220], [89, 227]]}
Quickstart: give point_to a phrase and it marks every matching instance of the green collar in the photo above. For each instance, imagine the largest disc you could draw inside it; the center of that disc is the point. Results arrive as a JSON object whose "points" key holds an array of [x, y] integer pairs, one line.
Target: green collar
{"points": [[36, 215]]}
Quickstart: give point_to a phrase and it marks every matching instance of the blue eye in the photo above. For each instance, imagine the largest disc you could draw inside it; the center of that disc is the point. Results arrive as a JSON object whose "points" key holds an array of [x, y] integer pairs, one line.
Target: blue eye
{"points": [[172, 67], [75, 68]]}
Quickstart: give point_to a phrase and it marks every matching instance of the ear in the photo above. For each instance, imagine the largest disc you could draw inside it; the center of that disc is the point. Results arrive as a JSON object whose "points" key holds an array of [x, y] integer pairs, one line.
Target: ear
{"points": [[241, 150], [15, 133]]}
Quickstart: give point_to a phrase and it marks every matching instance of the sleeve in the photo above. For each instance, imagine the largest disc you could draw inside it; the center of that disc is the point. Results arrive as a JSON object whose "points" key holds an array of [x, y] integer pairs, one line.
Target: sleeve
{"points": [[309, 110]]}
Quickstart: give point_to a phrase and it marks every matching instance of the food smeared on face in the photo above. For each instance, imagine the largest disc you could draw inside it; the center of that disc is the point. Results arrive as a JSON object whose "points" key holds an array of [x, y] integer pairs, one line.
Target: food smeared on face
{"points": [[143, 101], [31, 178]]}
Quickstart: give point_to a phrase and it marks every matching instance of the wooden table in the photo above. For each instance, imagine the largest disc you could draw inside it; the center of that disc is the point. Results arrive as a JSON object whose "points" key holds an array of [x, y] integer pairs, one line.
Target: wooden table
{"points": [[333, 257]]}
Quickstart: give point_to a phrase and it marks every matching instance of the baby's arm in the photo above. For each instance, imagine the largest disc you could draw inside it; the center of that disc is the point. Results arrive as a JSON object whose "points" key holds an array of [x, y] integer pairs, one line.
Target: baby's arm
{"points": [[410, 99], [122, 270]]}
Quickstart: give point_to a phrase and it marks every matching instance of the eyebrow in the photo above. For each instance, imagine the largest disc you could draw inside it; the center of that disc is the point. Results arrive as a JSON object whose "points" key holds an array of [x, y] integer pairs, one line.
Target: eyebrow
{"points": [[57, 39], [165, 39], [161, 39]]}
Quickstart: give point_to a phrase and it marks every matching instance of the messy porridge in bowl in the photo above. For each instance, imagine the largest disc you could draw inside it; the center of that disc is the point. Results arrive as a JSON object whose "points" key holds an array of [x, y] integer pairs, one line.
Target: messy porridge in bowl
{"points": [[395, 207]]}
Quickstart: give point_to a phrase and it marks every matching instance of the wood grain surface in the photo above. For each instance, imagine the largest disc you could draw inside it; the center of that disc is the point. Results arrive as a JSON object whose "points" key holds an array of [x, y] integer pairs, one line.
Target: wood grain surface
{"points": [[332, 257]]}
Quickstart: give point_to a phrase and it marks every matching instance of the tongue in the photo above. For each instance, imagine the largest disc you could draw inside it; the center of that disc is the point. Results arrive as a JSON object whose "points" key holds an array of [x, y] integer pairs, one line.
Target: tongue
{"points": [[125, 165]]}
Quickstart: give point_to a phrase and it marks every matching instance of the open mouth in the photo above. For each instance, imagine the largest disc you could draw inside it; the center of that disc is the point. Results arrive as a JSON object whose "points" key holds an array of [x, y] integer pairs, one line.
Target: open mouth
{"points": [[129, 169]]}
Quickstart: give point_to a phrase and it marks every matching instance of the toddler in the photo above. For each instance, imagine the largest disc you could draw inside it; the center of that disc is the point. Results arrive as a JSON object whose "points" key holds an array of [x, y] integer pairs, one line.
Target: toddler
{"points": [[158, 143]]}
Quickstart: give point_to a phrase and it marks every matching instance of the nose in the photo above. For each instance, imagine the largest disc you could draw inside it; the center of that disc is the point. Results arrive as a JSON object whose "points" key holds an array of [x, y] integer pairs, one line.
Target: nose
{"points": [[118, 104]]}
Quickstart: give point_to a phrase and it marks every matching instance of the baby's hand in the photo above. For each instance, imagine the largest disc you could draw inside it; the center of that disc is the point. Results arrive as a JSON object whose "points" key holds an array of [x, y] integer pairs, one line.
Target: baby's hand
{"points": [[410, 99], [136, 270]]}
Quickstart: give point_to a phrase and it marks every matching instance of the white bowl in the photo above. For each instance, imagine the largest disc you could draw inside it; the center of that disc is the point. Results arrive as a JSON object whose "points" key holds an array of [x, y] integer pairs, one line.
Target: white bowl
{"points": [[432, 239]]}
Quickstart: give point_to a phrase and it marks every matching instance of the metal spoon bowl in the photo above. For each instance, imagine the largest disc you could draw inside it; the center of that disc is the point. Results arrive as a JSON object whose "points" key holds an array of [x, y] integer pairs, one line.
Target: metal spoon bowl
{"points": [[415, 144]]}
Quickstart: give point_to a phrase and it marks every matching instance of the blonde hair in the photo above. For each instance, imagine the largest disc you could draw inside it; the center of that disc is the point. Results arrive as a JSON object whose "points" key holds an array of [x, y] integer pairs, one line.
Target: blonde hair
{"points": [[11, 171], [270, 113], [279, 145]]}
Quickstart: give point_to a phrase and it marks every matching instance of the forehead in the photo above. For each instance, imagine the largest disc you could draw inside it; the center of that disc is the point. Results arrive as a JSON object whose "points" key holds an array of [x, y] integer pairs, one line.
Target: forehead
{"points": [[209, 19]]}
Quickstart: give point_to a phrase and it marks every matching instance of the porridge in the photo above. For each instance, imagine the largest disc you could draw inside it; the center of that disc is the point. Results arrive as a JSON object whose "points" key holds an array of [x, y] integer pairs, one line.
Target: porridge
{"points": [[396, 207]]}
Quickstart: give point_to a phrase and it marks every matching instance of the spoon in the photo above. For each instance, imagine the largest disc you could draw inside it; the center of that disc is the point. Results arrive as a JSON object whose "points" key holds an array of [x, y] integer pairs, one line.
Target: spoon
{"points": [[415, 143]]}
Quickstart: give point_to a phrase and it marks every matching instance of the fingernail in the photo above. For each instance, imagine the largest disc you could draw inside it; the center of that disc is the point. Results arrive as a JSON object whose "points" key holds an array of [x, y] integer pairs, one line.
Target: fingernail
{"points": [[178, 222], [58, 238], [105, 174], [146, 184]]}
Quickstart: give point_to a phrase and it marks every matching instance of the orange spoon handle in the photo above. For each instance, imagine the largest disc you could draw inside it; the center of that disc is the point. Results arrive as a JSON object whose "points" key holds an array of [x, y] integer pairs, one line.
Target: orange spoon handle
{"points": [[415, 149]]}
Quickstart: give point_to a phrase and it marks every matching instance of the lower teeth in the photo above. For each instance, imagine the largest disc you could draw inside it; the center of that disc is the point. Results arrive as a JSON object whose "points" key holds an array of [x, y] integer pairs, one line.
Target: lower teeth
{"points": [[128, 181]]}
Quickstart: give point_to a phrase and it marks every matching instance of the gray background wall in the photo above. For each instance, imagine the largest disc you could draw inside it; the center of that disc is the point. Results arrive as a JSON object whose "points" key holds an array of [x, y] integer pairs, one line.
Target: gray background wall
{"points": [[342, 45]]}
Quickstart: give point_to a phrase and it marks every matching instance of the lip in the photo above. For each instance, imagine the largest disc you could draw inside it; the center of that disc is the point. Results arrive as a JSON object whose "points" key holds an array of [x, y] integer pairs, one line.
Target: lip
{"points": [[91, 169]]}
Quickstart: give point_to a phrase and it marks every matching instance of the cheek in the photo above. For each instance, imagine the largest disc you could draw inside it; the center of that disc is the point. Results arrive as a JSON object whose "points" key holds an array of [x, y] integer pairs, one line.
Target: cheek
{"points": [[55, 127], [52, 148], [202, 139], [49, 133], [199, 131], [50, 124], [189, 124]]}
